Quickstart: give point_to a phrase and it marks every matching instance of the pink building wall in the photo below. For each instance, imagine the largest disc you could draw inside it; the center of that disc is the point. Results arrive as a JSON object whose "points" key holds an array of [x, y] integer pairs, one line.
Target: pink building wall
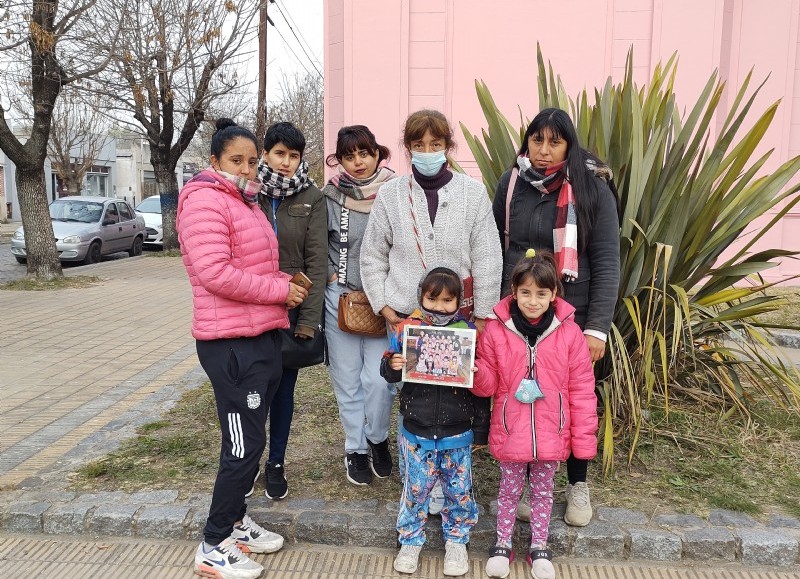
{"points": [[384, 60]]}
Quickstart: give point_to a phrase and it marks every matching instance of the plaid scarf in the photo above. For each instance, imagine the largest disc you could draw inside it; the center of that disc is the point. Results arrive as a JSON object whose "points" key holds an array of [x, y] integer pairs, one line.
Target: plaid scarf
{"points": [[565, 232], [276, 186], [357, 194], [248, 189]]}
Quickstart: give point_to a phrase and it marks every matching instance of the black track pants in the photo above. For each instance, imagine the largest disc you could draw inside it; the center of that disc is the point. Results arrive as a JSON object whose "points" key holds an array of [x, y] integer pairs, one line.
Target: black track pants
{"points": [[244, 373]]}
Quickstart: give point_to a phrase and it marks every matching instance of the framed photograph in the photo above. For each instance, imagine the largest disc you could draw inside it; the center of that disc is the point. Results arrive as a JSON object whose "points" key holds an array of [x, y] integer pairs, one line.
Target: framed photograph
{"points": [[442, 356]]}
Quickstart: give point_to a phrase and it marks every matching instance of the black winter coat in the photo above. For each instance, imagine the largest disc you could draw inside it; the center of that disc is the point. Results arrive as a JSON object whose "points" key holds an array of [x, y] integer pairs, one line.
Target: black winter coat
{"points": [[533, 215], [436, 412]]}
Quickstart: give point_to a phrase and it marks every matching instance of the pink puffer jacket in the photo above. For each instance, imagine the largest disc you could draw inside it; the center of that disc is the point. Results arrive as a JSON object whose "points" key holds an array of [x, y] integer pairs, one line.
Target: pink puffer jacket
{"points": [[231, 255], [566, 418]]}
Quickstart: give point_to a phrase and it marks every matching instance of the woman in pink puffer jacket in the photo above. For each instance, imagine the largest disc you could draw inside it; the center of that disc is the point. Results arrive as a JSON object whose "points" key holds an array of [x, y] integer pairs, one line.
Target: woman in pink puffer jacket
{"points": [[240, 299], [534, 361]]}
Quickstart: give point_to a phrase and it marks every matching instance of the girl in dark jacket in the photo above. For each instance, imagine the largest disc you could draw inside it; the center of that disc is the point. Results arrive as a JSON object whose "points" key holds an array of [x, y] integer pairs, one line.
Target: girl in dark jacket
{"points": [[440, 424], [559, 197]]}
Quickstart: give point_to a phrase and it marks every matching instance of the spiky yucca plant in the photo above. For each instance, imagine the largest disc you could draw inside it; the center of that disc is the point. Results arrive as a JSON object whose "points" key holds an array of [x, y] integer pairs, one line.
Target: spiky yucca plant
{"points": [[684, 327]]}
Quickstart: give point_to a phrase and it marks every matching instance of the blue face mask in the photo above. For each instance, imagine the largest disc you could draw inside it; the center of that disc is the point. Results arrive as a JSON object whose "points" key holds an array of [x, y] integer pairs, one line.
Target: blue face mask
{"points": [[428, 163]]}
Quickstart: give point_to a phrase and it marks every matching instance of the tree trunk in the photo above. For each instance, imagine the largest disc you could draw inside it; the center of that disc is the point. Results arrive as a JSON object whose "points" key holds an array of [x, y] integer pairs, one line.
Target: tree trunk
{"points": [[168, 188], [43, 262]]}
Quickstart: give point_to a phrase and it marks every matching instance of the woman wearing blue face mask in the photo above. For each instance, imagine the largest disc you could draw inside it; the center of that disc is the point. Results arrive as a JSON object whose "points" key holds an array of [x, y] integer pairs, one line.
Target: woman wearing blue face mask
{"points": [[431, 218]]}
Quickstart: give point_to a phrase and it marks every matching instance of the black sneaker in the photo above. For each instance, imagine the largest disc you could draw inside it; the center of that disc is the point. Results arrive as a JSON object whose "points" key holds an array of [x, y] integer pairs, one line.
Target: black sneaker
{"points": [[357, 468], [380, 459], [277, 487]]}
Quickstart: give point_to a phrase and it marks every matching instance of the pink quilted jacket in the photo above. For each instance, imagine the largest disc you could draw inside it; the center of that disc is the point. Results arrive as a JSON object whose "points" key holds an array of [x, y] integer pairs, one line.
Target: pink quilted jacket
{"points": [[566, 418], [231, 255]]}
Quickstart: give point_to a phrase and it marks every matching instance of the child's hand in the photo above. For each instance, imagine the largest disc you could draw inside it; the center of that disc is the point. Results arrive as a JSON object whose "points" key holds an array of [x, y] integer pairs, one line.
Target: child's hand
{"points": [[396, 362]]}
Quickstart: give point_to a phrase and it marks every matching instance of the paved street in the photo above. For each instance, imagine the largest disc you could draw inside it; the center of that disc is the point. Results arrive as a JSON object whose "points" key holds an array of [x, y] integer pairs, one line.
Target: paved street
{"points": [[10, 270], [74, 558]]}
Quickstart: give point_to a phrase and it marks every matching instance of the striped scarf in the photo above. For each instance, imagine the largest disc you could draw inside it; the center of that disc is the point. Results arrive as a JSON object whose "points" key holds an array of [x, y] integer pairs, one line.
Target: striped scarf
{"points": [[247, 188], [565, 231], [357, 194], [276, 186]]}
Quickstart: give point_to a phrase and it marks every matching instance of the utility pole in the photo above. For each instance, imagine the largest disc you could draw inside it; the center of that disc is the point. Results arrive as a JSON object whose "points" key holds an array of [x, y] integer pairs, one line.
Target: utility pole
{"points": [[261, 112]]}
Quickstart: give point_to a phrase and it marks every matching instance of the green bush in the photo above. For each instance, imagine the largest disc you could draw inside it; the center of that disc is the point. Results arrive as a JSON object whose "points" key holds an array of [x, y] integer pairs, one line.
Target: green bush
{"points": [[685, 326]]}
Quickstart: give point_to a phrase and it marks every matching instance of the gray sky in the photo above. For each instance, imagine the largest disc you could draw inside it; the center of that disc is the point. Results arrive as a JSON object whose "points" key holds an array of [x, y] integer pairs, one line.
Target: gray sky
{"points": [[284, 52]]}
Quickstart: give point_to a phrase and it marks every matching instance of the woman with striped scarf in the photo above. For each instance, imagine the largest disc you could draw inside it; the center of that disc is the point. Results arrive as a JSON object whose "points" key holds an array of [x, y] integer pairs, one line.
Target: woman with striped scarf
{"points": [[559, 197]]}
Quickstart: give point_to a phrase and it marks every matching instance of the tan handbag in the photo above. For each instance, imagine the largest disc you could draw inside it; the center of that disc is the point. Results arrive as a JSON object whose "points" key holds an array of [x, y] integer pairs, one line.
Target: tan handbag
{"points": [[356, 316]]}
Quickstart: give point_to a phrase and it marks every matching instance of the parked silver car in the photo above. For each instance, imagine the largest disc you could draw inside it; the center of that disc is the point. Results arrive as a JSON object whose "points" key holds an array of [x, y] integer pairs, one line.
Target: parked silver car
{"points": [[87, 228], [150, 209]]}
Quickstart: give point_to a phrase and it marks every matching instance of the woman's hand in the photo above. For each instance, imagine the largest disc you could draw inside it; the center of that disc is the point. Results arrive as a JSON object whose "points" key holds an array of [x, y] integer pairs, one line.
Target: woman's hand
{"points": [[597, 347], [391, 317], [396, 362], [480, 323], [296, 295]]}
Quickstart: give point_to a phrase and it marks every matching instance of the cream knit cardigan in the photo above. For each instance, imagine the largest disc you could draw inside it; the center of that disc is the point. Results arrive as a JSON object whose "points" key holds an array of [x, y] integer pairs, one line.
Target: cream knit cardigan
{"points": [[464, 238]]}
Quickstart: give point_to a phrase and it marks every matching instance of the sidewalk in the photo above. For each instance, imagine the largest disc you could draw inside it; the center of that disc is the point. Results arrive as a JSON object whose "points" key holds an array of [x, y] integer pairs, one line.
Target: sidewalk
{"points": [[82, 368], [71, 558]]}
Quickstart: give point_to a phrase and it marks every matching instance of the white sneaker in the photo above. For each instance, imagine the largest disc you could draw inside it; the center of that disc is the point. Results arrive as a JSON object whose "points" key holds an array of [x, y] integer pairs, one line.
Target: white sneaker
{"points": [[579, 508], [456, 562], [225, 561], [253, 488], [253, 538], [407, 559], [543, 569], [437, 499], [541, 566], [499, 563]]}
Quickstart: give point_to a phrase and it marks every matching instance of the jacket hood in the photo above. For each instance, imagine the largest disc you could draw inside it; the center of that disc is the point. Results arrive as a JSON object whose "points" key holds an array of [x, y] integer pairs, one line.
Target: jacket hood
{"points": [[503, 309]]}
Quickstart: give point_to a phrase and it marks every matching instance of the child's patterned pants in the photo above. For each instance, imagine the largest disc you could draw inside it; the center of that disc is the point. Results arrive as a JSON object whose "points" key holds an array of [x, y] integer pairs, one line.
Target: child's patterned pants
{"points": [[453, 467], [512, 480]]}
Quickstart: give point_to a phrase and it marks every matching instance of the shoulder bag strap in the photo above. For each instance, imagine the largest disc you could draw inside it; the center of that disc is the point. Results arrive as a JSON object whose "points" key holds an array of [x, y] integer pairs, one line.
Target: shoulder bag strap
{"points": [[415, 226], [509, 194]]}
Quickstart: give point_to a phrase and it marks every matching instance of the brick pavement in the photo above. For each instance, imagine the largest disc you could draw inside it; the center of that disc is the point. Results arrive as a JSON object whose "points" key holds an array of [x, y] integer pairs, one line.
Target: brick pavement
{"points": [[75, 360]]}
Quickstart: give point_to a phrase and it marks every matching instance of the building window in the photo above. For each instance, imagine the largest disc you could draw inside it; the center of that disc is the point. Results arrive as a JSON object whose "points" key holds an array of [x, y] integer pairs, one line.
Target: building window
{"points": [[97, 181]]}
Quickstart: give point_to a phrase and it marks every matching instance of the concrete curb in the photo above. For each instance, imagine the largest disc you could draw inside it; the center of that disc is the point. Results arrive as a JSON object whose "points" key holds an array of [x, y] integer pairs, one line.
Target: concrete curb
{"points": [[613, 533], [786, 338]]}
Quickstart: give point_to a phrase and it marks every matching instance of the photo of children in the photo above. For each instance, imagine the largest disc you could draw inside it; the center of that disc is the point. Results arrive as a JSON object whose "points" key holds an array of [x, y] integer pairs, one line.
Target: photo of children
{"points": [[442, 356]]}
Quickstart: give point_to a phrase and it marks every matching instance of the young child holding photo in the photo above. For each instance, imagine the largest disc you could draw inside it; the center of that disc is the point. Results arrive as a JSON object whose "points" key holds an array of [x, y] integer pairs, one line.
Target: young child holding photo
{"points": [[440, 424]]}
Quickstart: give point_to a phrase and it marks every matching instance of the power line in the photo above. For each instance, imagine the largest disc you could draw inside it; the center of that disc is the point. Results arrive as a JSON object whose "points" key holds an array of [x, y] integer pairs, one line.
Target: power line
{"points": [[310, 60], [289, 14], [289, 46]]}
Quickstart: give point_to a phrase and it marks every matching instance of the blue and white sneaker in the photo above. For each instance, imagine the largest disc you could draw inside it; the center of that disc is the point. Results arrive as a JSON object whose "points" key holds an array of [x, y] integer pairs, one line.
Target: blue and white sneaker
{"points": [[253, 538], [225, 561]]}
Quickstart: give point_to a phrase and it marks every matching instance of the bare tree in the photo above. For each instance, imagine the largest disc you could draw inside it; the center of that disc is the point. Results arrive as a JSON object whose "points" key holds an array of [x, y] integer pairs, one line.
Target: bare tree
{"points": [[78, 133], [45, 46], [173, 60], [301, 103]]}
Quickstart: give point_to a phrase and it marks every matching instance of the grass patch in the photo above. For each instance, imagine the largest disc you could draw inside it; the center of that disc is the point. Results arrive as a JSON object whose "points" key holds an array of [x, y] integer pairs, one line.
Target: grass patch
{"points": [[788, 312], [684, 462], [32, 284]]}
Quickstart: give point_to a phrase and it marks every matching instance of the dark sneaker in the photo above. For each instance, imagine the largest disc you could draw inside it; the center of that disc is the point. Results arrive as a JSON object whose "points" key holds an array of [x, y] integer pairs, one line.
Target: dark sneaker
{"points": [[276, 486], [357, 468], [380, 459]]}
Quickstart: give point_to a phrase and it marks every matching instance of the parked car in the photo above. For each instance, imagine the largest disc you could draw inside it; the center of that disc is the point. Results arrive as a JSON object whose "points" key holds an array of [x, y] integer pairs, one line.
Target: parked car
{"points": [[87, 228], [150, 209]]}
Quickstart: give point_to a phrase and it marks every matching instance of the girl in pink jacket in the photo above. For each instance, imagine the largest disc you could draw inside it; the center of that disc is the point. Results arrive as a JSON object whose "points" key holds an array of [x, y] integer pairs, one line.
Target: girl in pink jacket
{"points": [[534, 360]]}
